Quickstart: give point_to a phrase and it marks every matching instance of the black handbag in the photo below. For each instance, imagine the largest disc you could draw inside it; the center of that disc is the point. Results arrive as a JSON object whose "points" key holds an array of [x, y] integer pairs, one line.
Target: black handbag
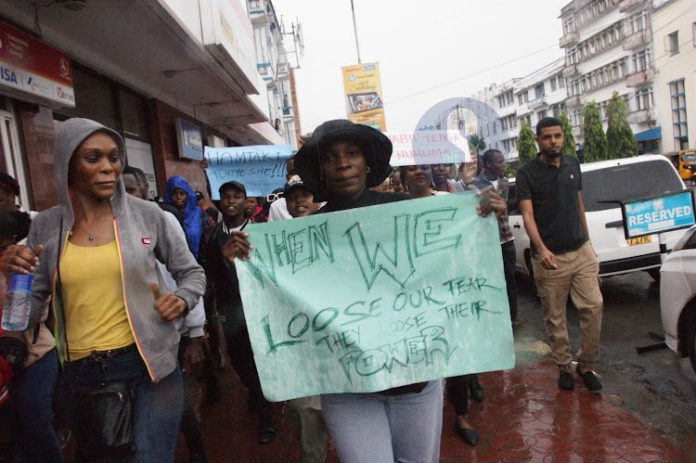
{"points": [[104, 418]]}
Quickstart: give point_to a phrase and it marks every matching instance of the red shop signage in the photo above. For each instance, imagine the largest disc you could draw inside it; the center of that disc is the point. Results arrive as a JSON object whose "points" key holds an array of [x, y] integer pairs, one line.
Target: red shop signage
{"points": [[29, 65]]}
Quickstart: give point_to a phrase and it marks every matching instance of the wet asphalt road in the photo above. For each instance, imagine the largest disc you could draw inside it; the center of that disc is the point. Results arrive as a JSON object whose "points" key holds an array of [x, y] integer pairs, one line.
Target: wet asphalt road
{"points": [[657, 387]]}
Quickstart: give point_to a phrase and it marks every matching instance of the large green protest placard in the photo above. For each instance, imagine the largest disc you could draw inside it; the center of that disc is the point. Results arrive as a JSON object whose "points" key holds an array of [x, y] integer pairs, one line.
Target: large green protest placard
{"points": [[373, 298]]}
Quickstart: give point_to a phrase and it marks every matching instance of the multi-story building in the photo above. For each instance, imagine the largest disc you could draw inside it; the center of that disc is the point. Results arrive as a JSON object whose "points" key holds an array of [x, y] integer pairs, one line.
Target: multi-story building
{"points": [[674, 42], [522, 100], [504, 133], [171, 76], [275, 67], [540, 94], [608, 48], [496, 113]]}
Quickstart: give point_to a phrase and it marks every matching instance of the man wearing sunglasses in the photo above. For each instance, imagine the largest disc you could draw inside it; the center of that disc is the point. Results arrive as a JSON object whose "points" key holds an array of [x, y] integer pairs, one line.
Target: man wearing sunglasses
{"points": [[279, 208]]}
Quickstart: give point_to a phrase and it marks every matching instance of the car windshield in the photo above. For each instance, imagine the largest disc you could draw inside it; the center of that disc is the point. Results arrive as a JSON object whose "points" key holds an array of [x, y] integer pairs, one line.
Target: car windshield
{"points": [[602, 189], [689, 157]]}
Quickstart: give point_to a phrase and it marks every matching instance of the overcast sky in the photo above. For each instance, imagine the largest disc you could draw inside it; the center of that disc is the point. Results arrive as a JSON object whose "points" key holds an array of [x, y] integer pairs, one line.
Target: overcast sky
{"points": [[427, 50]]}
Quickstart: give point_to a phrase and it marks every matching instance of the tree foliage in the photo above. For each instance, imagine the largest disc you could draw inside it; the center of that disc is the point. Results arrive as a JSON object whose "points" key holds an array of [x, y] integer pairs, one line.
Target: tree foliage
{"points": [[527, 145], [477, 143], [621, 143], [569, 140], [595, 140]]}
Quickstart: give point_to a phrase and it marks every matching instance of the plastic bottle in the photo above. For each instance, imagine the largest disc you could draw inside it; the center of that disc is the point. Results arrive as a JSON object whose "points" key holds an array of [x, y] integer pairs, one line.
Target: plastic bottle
{"points": [[15, 312]]}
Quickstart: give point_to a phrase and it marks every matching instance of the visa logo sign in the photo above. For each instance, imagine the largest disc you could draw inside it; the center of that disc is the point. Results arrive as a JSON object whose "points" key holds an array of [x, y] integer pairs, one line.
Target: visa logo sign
{"points": [[8, 75]]}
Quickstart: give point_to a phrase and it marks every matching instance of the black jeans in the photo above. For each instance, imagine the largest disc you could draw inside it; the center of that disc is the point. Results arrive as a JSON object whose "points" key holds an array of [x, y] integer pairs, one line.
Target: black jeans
{"points": [[509, 267], [458, 392], [242, 359]]}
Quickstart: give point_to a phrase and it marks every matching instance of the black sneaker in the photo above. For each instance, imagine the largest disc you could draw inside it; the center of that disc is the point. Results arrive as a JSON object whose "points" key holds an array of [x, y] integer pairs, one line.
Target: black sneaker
{"points": [[468, 435], [590, 379], [566, 381], [267, 434], [476, 389]]}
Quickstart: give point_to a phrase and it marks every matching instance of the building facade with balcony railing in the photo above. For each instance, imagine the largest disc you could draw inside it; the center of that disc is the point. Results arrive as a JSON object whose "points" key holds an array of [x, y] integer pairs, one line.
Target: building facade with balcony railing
{"points": [[522, 100], [275, 69], [612, 52], [170, 76], [541, 93], [674, 41]]}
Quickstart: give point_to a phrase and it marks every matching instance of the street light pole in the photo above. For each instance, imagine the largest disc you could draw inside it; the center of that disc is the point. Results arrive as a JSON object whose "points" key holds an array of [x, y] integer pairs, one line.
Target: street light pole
{"points": [[355, 30]]}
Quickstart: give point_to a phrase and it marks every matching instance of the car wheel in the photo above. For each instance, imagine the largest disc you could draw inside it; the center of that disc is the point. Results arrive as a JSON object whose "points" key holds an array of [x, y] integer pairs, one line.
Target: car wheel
{"points": [[691, 342], [655, 274]]}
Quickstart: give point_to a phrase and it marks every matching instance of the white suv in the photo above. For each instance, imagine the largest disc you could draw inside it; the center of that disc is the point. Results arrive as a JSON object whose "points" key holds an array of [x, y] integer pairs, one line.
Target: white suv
{"points": [[604, 185]]}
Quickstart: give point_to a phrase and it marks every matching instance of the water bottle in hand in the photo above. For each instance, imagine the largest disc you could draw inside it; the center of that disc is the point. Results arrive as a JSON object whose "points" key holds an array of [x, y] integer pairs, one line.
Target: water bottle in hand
{"points": [[15, 313]]}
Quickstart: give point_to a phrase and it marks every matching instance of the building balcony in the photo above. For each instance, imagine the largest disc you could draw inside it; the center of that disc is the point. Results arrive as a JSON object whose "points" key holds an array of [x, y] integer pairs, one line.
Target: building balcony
{"points": [[643, 116], [640, 78], [568, 9], [568, 39], [573, 101], [536, 102], [628, 5], [507, 110], [265, 69], [570, 70], [510, 133], [634, 41], [259, 13], [283, 71]]}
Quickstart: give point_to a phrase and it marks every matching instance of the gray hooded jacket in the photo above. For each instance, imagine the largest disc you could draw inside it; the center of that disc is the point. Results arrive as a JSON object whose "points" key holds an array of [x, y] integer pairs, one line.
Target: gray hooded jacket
{"points": [[142, 236]]}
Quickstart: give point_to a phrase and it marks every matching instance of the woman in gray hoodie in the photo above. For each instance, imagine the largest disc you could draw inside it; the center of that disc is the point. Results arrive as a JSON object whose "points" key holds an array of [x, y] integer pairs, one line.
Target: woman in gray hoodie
{"points": [[112, 324]]}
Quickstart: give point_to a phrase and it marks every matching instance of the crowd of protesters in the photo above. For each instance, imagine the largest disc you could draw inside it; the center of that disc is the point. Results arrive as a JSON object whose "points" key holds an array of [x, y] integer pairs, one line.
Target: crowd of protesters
{"points": [[136, 307]]}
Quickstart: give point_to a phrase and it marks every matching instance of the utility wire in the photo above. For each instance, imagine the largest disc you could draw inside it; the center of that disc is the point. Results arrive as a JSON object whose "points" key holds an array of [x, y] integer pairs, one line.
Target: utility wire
{"points": [[481, 71], [679, 16], [669, 53]]}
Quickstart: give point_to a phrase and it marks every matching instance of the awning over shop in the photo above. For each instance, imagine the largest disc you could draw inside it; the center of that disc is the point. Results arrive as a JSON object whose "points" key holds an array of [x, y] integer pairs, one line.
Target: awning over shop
{"points": [[652, 134], [161, 49]]}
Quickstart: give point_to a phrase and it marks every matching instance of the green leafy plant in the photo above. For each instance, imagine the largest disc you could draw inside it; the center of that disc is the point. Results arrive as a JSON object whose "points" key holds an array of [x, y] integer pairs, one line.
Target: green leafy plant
{"points": [[527, 145], [593, 133], [477, 143], [568, 139], [621, 143]]}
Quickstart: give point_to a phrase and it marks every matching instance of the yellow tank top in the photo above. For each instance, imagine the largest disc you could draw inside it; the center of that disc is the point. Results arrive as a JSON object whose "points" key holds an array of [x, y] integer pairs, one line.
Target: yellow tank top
{"points": [[95, 312]]}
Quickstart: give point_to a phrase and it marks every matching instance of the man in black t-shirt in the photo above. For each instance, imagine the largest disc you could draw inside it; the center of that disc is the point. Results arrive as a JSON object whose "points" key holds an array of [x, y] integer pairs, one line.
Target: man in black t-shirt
{"points": [[549, 189]]}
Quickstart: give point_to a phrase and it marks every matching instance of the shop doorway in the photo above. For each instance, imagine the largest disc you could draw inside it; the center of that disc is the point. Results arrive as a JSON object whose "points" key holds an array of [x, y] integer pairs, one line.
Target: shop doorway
{"points": [[11, 155]]}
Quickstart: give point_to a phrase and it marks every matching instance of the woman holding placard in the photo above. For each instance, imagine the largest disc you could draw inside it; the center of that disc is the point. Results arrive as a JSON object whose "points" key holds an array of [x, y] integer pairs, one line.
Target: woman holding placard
{"points": [[339, 164]]}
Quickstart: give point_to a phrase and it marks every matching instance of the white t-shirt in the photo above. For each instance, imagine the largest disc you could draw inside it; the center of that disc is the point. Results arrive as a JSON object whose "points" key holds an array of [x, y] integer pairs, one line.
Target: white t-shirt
{"points": [[278, 210]]}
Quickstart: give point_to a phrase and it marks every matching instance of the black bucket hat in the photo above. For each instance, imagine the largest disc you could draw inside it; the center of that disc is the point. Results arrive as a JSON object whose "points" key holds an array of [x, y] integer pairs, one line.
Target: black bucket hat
{"points": [[376, 147]]}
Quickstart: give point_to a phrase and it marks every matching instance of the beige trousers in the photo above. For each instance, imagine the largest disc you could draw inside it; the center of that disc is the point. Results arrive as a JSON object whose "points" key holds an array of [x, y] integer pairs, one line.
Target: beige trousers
{"points": [[577, 274]]}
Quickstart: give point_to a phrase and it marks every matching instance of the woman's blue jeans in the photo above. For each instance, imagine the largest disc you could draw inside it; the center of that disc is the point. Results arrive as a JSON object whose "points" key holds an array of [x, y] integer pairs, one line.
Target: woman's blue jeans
{"points": [[379, 428], [157, 406]]}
